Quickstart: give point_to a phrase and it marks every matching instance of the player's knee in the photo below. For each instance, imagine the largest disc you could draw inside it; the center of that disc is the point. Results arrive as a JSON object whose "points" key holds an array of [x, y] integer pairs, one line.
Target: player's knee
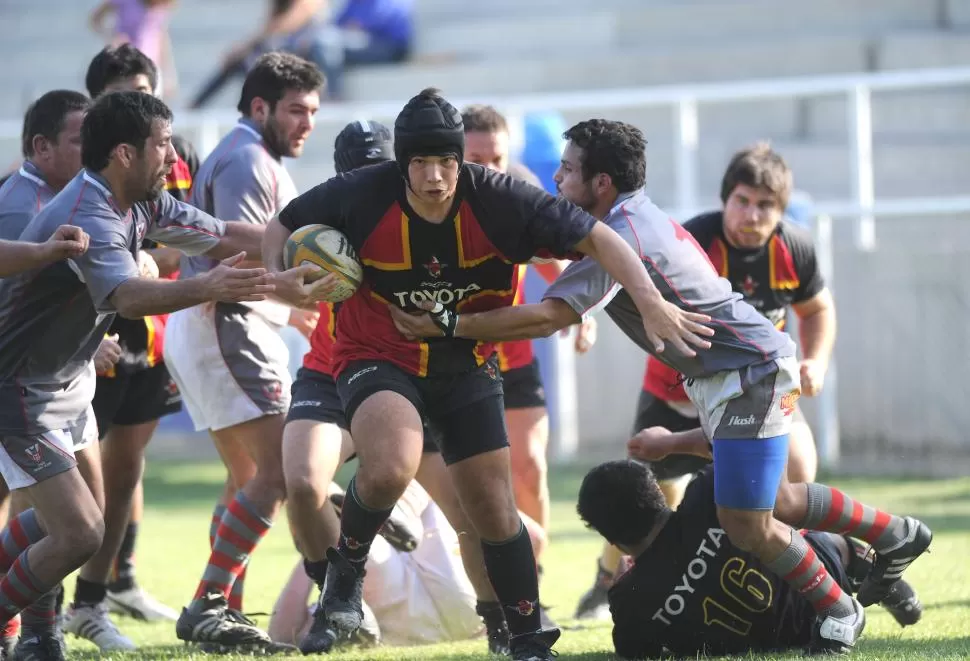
{"points": [[81, 539], [302, 489], [385, 482], [530, 468], [747, 530]]}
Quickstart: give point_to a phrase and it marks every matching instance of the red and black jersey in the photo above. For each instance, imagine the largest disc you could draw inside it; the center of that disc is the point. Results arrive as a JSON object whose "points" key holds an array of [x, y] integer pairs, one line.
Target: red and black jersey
{"points": [[691, 592], [513, 354], [467, 263], [320, 356], [779, 274]]}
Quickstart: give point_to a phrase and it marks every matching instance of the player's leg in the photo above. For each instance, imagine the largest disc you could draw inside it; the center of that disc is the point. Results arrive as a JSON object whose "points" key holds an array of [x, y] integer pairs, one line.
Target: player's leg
{"points": [[898, 541], [528, 427], [315, 443], [233, 375], [381, 402], [477, 454], [151, 396], [434, 476], [802, 455], [240, 469], [42, 545], [749, 413]]}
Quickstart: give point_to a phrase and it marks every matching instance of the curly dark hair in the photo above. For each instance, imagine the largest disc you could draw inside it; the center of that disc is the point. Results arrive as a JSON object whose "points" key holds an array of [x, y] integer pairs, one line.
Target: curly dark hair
{"points": [[273, 75], [621, 500], [614, 148]]}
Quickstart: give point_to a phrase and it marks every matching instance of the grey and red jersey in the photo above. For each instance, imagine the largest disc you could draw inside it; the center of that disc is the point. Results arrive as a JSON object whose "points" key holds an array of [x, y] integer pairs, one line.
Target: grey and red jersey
{"points": [[52, 319], [682, 272], [242, 180], [23, 195]]}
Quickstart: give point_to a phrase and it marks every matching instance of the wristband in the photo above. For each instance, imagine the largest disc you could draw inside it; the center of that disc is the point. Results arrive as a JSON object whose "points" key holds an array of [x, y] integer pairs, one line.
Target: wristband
{"points": [[444, 319]]}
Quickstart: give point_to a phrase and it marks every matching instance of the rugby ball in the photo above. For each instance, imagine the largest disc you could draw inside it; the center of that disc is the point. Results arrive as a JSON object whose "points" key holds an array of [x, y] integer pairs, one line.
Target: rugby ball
{"points": [[329, 249]]}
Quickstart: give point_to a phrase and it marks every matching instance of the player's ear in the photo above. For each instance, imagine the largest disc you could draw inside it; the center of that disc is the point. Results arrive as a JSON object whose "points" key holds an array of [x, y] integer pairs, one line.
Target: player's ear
{"points": [[40, 145], [259, 109], [125, 153], [602, 183]]}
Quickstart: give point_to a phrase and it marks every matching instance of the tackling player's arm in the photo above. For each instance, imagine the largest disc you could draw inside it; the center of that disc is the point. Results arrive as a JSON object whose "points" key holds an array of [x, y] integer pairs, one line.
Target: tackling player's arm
{"points": [[815, 308], [112, 275], [194, 232], [18, 256]]}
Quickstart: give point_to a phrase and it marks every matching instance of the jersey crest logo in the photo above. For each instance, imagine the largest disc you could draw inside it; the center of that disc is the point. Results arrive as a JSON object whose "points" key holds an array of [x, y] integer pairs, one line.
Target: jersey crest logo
{"points": [[749, 286], [435, 267]]}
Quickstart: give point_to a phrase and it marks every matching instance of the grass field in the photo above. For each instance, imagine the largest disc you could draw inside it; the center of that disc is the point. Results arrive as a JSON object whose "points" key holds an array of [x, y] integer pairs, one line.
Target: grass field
{"points": [[174, 545]]}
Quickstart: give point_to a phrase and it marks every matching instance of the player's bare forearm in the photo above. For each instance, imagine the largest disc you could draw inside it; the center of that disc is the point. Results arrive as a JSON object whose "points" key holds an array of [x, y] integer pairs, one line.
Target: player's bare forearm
{"points": [[141, 297], [619, 260], [520, 322], [240, 237], [816, 326], [19, 256], [274, 241]]}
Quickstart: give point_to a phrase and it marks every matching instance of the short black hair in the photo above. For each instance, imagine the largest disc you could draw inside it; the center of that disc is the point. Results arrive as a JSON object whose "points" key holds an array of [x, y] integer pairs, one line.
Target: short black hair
{"points": [[115, 119], [46, 116], [118, 63], [622, 501], [614, 148], [273, 75]]}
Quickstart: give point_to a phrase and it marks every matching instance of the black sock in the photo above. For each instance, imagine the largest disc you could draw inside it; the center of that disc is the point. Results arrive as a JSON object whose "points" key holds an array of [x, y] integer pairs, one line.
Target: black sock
{"points": [[491, 614], [89, 592], [316, 570], [124, 570], [511, 567], [358, 526]]}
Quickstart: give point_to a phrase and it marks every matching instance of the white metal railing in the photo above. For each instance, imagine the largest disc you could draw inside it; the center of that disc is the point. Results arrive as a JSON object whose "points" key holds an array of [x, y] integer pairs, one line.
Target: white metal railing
{"points": [[684, 101]]}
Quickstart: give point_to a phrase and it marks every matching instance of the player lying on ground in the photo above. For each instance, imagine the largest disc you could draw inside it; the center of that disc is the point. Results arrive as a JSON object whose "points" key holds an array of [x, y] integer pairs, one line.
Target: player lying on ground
{"points": [[691, 591], [413, 598], [745, 387]]}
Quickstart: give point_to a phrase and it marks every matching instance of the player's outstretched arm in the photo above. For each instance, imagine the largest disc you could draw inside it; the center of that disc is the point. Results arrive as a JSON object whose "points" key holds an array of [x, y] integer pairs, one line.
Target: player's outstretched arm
{"points": [[816, 329], [18, 256], [140, 297], [662, 321]]}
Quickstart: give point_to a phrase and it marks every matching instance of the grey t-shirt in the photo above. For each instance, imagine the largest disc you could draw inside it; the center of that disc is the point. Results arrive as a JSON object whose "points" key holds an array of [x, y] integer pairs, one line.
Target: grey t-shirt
{"points": [[682, 272], [53, 319], [242, 180], [21, 197]]}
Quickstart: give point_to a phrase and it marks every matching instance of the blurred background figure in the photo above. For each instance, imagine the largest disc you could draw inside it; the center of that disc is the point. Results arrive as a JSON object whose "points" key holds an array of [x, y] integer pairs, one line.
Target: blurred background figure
{"points": [[143, 24], [363, 32]]}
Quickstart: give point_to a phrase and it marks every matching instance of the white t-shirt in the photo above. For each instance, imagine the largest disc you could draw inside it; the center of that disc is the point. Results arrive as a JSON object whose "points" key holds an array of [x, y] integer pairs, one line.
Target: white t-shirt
{"points": [[423, 596]]}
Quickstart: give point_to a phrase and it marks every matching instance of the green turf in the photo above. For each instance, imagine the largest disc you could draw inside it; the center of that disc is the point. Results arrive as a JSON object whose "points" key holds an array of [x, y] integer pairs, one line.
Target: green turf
{"points": [[174, 544]]}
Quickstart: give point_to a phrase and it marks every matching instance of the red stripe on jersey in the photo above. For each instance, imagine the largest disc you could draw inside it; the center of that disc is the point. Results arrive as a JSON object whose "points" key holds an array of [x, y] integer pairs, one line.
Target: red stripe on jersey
{"points": [[474, 247], [717, 252], [664, 382], [515, 353], [320, 356], [781, 266], [389, 246]]}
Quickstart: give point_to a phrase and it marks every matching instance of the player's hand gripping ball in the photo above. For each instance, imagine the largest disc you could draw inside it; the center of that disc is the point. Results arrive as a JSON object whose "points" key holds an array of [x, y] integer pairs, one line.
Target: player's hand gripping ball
{"points": [[330, 250]]}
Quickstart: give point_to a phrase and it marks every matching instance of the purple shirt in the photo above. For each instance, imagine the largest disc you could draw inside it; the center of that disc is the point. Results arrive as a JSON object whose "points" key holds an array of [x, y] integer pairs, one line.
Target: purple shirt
{"points": [[143, 26]]}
